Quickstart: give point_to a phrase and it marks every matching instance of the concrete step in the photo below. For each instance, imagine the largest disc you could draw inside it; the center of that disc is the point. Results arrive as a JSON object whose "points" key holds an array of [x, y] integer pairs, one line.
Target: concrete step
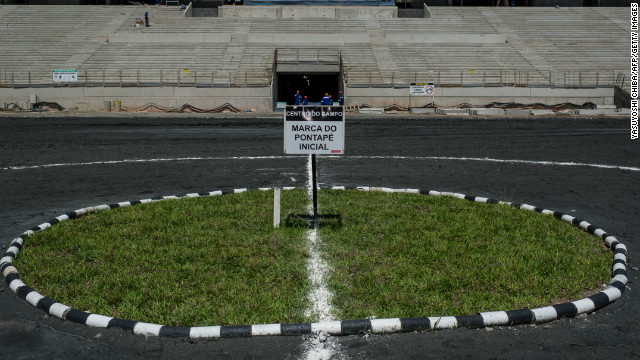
{"points": [[452, 112], [537, 112], [593, 112], [371, 111], [484, 111], [517, 112]]}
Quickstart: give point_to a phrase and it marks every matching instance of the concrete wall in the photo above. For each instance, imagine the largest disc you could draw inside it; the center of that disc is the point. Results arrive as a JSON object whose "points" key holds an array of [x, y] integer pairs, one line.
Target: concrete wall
{"points": [[338, 12], [438, 2], [206, 3], [261, 99], [205, 12], [308, 68], [477, 96], [206, 98], [62, 2]]}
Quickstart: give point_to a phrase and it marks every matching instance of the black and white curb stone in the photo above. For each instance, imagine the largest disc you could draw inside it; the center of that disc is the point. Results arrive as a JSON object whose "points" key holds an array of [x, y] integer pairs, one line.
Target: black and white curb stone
{"points": [[344, 327]]}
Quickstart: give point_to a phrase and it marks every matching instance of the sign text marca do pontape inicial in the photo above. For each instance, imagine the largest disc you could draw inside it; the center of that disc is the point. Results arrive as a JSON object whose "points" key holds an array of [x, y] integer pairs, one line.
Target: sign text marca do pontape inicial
{"points": [[314, 130]]}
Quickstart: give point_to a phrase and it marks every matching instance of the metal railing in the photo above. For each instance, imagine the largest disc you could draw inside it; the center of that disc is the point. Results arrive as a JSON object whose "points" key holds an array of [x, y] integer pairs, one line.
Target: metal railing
{"points": [[16, 78], [581, 79], [372, 77]]}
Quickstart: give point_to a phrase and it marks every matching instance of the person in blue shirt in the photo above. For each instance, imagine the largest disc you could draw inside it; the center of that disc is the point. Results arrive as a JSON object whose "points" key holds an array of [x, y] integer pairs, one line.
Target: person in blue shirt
{"points": [[298, 98], [326, 100], [305, 101], [341, 99]]}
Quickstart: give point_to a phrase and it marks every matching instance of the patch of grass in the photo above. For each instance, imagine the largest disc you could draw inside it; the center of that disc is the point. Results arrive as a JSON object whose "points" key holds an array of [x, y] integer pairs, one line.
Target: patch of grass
{"points": [[405, 255], [218, 260], [191, 262]]}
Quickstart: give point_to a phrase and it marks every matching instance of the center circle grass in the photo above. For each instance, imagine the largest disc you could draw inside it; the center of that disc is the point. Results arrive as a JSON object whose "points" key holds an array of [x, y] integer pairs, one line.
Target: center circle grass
{"points": [[219, 261]]}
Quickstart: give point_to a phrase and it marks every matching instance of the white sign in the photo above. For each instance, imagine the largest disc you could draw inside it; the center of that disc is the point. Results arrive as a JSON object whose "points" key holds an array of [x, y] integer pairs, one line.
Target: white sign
{"points": [[63, 76], [422, 89], [429, 89], [313, 130]]}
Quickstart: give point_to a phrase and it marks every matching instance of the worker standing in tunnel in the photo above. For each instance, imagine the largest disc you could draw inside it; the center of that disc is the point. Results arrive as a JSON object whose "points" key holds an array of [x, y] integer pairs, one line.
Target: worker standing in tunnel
{"points": [[298, 98], [326, 100]]}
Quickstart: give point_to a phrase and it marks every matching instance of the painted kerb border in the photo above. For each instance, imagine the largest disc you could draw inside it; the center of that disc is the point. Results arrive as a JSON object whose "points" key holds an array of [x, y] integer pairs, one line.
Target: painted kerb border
{"points": [[611, 293]]}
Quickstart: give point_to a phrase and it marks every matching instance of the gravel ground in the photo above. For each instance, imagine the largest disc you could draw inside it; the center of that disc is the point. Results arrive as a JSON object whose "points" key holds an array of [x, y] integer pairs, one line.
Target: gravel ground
{"points": [[178, 154]]}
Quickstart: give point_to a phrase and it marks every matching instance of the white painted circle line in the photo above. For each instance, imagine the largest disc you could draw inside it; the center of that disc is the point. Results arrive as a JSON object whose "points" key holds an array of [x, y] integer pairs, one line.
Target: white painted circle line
{"points": [[339, 327], [493, 160], [332, 158]]}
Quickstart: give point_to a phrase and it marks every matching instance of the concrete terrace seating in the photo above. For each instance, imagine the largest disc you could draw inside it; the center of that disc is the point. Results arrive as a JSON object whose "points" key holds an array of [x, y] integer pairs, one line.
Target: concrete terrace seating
{"points": [[447, 21], [359, 65], [44, 38], [532, 45], [157, 55], [457, 46], [568, 38], [304, 26]]}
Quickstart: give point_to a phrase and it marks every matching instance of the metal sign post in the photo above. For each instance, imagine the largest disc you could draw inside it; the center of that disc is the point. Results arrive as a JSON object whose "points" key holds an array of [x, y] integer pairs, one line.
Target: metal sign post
{"points": [[314, 130], [276, 207]]}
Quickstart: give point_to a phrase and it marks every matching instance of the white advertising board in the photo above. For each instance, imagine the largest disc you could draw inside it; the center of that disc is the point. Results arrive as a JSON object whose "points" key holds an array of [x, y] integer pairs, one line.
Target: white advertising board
{"points": [[314, 130], [64, 76], [422, 89]]}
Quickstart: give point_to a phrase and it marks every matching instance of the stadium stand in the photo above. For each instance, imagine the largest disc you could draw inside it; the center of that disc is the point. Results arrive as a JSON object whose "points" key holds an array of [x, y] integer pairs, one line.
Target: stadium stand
{"points": [[471, 53]]}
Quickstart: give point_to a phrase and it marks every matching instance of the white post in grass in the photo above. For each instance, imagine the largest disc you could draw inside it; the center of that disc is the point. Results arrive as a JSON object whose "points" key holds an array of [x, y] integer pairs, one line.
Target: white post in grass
{"points": [[276, 207]]}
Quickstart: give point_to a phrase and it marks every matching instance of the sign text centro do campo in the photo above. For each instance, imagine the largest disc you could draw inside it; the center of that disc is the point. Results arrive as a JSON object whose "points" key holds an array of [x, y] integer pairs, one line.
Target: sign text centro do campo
{"points": [[313, 129]]}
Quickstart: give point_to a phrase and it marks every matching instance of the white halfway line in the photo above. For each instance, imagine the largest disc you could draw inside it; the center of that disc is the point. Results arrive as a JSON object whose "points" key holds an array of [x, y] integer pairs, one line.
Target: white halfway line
{"points": [[508, 161], [320, 295], [133, 161], [332, 157], [317, 267]]}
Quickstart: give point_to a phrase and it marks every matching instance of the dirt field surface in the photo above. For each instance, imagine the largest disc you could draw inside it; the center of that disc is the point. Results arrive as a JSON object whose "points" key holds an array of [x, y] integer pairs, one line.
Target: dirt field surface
{"points": [[589, 168]]}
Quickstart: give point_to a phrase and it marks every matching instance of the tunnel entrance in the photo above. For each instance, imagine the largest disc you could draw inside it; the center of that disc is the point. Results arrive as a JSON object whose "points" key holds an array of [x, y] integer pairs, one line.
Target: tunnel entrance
{"points": [[312, 85], [313, 71]]}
